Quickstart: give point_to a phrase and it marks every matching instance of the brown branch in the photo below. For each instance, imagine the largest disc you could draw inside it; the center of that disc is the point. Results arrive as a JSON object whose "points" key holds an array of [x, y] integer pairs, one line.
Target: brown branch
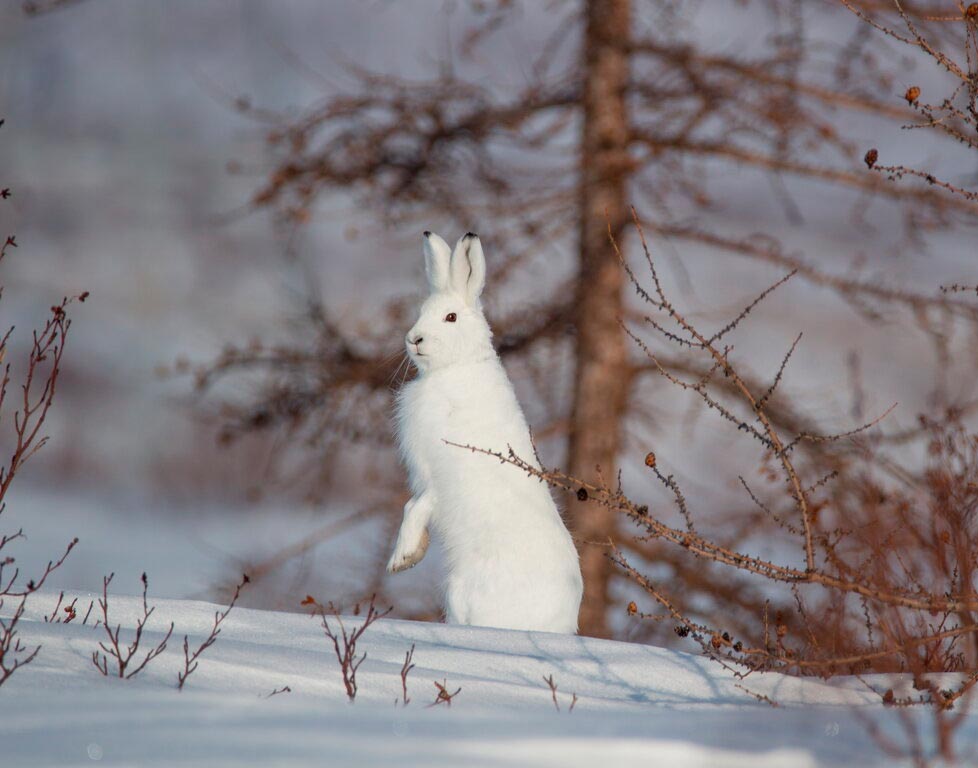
{"points": [[191, 660], [406, 668], [444, 697], [123, 655], [345, 642]]}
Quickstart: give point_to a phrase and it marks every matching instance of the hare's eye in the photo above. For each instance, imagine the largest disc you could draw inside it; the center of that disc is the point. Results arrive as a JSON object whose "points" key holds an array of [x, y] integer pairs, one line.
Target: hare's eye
{"points": [[451, 317]]}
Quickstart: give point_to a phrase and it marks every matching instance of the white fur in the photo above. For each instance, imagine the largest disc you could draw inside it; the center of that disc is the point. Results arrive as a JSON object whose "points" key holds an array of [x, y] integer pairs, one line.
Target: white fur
{"points": [[510, 561]]}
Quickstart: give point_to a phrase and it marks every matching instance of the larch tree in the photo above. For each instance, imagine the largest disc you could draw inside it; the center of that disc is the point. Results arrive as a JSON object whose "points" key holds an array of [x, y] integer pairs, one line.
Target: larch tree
{"points": [[626, 104]]}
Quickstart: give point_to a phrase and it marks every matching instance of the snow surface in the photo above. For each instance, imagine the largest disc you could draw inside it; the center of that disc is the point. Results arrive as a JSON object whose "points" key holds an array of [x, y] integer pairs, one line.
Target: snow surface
{"points": [[636, 704]]}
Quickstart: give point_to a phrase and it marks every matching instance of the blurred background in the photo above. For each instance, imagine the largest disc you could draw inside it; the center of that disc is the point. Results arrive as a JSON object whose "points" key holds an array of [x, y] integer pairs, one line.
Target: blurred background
{"points": [[242, 187]]}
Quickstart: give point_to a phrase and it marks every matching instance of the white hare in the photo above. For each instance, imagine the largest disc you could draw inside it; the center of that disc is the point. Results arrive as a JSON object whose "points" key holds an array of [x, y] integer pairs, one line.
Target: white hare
{"points": [[510, 561]]}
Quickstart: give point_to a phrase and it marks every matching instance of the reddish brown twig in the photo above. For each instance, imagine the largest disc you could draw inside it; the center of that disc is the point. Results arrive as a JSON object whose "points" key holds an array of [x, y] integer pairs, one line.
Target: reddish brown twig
{"points": [[13, 653], [345, 643], [549, 680], [37, 394], [123, 655], [406, 668], [190, 660], [70, 613], [954, 115], [443, 696]]}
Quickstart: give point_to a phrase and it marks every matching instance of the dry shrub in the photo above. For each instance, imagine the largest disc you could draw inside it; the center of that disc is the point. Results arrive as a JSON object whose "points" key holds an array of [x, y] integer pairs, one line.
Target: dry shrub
{"points": [[122, 657], [879, 547], [345, 641], [36, 394], [192, 660]]}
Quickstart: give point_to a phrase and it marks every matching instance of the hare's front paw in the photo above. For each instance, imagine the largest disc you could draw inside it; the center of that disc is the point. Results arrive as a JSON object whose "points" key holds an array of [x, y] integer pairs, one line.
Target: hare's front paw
{"points": [[408, 554]]}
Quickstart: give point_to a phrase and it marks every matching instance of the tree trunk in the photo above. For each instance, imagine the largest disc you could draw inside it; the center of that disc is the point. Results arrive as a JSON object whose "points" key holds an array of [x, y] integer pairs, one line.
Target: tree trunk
{"points": [[601, 380]]}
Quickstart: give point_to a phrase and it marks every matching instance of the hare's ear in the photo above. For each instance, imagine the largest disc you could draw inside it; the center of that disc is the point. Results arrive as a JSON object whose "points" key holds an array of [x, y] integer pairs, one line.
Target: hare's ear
{"points": [[437, 256], [468, 271]]}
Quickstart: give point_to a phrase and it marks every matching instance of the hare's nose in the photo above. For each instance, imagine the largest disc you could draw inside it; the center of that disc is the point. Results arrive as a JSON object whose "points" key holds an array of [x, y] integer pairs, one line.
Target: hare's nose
{"points": [[416, 340]]}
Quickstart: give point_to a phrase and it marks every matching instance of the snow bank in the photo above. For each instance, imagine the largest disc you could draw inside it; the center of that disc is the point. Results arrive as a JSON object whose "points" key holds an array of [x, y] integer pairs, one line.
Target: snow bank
{"points": [[636, 704]]}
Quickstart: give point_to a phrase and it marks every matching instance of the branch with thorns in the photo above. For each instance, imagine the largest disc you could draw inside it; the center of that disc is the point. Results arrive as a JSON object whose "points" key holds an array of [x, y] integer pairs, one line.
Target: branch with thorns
{"points": [[822, 551], [956, 114]]}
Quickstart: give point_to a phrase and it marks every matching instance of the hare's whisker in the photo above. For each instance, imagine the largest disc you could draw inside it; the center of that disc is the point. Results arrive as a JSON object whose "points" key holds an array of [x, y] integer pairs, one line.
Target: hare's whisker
{"points": [[387, 358], [403, 364], [407, 371]]}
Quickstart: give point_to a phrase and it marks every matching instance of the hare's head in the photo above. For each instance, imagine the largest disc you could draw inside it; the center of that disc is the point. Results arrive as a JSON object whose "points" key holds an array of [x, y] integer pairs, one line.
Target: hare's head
{"points": [[451, 328]]}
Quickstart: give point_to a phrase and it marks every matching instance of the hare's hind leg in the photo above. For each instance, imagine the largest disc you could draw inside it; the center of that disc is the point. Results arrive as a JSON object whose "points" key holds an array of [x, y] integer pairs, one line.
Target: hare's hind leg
{"points": [[412, 538]]}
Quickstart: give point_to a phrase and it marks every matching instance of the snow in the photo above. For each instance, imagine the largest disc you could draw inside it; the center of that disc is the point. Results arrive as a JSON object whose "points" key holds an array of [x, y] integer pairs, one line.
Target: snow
{"points": [[635, 703]]}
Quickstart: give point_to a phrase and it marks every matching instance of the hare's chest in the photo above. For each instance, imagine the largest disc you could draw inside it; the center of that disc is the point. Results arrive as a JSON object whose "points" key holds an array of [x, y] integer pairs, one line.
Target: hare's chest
{"points": [[435, 417], [425, 416]]}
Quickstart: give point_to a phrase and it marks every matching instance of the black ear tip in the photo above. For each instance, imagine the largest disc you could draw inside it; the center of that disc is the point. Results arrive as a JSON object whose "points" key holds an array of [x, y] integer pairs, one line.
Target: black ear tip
{"points": [[427, 233], [470, 235]]}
